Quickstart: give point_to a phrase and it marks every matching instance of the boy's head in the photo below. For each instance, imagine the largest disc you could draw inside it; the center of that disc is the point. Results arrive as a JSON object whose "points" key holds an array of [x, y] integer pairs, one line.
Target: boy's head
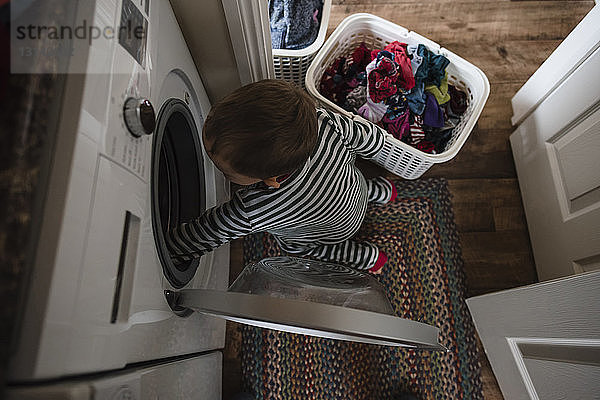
{"points": [[261, 131]]}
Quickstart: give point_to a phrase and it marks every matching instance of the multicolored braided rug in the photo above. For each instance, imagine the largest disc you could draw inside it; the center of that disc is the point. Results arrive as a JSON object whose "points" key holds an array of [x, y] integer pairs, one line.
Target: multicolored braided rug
{"points": [[425, 282]]}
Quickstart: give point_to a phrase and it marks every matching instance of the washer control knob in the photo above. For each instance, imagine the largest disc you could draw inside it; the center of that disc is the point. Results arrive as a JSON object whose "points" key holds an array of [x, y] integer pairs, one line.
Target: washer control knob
{"points": [[139, 116]]}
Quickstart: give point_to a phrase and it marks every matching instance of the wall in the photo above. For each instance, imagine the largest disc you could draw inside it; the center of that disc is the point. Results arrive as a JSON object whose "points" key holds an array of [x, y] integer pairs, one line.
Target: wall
{"points": [[205, 29]]}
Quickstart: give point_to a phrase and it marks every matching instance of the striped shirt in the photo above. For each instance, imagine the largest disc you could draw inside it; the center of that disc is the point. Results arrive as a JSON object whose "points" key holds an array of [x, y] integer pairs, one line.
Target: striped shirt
{"points": [[314, 212]]}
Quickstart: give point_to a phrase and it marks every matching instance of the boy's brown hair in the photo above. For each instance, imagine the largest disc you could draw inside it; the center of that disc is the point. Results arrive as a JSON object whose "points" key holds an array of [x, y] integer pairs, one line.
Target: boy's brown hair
{"points": [[264, 129]]}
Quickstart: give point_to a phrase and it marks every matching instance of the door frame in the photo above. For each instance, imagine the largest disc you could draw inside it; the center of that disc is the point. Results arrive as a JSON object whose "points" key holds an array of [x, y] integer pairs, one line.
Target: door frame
{"points": [[248, 23]]}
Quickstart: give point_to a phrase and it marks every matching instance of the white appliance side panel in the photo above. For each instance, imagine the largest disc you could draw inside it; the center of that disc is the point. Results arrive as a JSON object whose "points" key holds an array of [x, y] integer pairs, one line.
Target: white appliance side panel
{"points": [[197, 378], [52, 298], [144, 328], [194, 379], [76, 333]]}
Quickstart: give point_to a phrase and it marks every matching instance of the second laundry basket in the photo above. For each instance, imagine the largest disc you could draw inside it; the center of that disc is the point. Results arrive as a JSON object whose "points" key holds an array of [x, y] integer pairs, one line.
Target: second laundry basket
{"points": [[291, 65]]}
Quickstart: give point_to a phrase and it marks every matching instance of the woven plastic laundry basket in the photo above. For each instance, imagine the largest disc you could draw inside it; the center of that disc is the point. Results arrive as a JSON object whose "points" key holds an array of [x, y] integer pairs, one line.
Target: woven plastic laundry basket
{"points": [[396, 156], [291, 65]]}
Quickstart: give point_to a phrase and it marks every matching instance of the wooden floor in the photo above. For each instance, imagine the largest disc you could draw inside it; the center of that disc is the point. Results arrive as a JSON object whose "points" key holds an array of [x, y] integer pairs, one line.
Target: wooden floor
{"points": [[508, 40]]}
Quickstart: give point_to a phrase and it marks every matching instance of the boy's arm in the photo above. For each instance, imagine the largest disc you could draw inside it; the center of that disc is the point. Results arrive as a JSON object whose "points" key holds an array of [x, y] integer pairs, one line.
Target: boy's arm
{"points": [[364, 138], [218, 225]]}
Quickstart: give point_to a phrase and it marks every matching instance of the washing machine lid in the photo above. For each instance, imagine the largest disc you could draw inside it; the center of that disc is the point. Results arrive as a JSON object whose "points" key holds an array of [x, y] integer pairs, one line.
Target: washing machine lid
{"points": [[312, 298], [313, 319]]}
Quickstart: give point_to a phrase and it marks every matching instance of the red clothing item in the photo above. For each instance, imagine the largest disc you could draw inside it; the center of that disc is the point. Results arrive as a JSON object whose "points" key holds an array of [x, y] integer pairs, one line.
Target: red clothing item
{"points": [[394, 191], [406, 80], [361, 56], [382, 80], [332, 88], [381, 260], [426, 146], [398, 127]]}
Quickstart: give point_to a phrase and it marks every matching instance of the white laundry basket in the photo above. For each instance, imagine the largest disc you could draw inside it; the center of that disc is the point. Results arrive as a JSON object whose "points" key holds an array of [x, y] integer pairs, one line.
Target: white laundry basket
{"points": [[396, 156], [291, 65]]}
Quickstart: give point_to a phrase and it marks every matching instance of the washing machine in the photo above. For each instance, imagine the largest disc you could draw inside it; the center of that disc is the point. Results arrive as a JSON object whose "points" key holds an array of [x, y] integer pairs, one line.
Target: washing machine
{"points": [[133, 167]]}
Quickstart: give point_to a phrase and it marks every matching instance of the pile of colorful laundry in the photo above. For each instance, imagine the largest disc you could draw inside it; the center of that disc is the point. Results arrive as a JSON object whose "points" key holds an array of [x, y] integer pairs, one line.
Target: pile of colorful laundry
{"points": [[402, 88]]}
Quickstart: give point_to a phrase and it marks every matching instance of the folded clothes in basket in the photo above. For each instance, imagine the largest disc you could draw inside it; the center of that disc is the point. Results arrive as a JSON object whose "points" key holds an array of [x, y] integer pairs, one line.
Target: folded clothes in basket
{"points": [[294, 23], [402, 88]]}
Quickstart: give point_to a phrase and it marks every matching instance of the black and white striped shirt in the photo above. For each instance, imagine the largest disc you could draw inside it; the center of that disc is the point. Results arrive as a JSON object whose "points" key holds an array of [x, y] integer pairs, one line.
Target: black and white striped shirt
{"points": [[315, 211]]}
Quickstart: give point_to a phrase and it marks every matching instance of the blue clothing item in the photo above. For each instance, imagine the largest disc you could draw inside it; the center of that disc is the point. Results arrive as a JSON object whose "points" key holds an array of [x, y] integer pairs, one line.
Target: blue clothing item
{"points": [[416, 98], [294, 23], [433, 114], [432, 69], [396, 106], [362, 78], [439, 138], [386, 54], [415, 58]]}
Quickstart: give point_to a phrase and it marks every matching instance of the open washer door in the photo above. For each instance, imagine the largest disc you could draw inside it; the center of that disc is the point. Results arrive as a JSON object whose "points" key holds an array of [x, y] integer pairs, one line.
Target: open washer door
{"points": [[313, 298]]}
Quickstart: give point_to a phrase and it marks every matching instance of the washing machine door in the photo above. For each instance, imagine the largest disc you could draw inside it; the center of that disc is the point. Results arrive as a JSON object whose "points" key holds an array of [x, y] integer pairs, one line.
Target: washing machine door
{"points": [[312, 298], [177, 183]]}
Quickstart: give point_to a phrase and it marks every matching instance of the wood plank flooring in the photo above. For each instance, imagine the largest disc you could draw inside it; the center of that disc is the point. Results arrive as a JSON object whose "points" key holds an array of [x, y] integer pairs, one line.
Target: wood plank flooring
{"points": [[508, 40]]}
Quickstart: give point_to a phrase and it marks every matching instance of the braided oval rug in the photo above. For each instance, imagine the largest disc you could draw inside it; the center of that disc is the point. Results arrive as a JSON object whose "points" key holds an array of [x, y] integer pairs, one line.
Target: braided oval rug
{"points": [[425, 282]]}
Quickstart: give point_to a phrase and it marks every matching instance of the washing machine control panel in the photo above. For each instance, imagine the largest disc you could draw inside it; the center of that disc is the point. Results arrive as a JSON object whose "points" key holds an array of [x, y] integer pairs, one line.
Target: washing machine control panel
{"points": [[131, 116], [139, 116], [134, 37]]}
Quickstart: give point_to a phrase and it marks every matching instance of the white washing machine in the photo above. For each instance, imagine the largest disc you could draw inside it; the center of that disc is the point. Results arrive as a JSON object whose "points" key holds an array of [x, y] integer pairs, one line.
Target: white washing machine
{"points": [[95, 302]]}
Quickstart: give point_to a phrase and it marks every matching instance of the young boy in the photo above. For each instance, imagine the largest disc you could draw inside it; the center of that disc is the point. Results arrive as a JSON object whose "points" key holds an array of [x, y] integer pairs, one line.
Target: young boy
{"points": [[296, 164]]}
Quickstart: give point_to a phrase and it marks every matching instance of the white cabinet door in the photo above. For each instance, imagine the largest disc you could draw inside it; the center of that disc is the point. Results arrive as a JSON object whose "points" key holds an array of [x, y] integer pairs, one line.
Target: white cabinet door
{"points": [[556, 150], [543, 340]]}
